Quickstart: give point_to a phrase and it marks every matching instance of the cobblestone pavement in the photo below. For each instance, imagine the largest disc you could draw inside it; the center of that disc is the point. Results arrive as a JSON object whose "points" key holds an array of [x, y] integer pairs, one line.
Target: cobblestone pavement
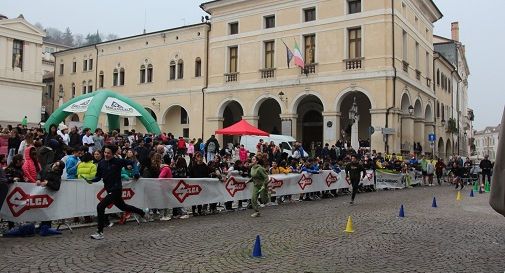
{"points": [[458, 236]]}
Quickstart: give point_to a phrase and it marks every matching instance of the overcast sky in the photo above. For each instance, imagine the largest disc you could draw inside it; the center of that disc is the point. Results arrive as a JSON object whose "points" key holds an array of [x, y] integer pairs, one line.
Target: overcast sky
{"points": [[480, 28]]}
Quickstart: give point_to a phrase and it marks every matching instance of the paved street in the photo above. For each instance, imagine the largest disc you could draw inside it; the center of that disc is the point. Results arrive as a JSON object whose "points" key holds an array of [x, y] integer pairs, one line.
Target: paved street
{"points": [[464, 236]]}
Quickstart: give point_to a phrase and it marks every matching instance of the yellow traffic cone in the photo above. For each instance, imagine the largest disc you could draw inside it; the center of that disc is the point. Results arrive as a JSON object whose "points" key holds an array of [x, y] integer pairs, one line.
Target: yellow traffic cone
{"points": [[458, 196], [348, 227]]}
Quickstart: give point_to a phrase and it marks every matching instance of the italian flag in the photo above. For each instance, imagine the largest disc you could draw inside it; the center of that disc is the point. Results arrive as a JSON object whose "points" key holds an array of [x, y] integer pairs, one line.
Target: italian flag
{"points": [[298, 56]]}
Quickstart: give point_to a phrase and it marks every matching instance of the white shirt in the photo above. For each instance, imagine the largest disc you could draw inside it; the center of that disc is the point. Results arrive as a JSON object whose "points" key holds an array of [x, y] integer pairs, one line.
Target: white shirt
{"points": [[88, 140], [65, 137]]}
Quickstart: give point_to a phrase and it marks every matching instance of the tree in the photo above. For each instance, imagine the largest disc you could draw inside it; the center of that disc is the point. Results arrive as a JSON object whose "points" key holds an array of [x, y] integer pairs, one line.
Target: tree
{"points": [[78, 40], [68, 38], [111, 36], [54, 35], [93, 38]]}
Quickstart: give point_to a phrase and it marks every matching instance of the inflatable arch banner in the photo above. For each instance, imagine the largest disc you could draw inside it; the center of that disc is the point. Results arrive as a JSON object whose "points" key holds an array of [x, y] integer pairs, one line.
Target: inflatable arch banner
{"points": [[103, 101]]}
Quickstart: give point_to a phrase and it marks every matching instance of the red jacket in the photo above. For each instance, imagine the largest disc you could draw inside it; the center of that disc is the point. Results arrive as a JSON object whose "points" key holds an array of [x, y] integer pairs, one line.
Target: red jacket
{"points": [[181, 144], [30, 169], [165, 172]]}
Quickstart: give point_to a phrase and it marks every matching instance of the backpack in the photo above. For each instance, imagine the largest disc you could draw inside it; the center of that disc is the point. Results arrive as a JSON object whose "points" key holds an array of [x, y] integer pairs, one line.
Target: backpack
{"points": [[211, 147]]}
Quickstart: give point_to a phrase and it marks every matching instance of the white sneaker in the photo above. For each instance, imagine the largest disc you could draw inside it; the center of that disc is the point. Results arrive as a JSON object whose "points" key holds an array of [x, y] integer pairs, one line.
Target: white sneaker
{"points": [[111, 224], [185, 216], [165, 218], [256, 214], [97, 236]]}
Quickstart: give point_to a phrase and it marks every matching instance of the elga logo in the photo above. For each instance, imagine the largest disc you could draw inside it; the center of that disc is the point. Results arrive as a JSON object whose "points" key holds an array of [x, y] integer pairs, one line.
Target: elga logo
{"points": [[18, 201], [330, 179], [118, 107], [233, 186], [348, 180], [274, 183], [127, 194], [304, 181], [183, 190]]}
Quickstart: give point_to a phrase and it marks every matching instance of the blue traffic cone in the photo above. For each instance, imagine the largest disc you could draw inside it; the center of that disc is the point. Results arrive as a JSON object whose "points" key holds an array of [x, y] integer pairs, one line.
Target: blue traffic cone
{"points": [[471, 193], [257, 248], [434, 203], [402, 212]]}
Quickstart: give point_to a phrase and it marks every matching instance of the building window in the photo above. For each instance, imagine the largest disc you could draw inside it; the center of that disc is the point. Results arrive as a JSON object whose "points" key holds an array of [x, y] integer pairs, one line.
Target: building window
{"points": [[309, 14], [443, 111], [84, 65], [100, 79], [142, 74], [90, 63], [354, 6], [438, 77], [405, 46], [121, 76], [62, 68], [233, 51], [269, 54], [115, 77], [17, 54], [438, 109], [185, 132], [270, 21], [198, 67], [310, 48], [184, 116], [180, 69], [61, 92], [417, 55], [354, 43], [233, 28], [150, 73], [427, 64], [73, 89], [172, 70], [74, 67], [50, 91], [84, 88], [90, 86]]}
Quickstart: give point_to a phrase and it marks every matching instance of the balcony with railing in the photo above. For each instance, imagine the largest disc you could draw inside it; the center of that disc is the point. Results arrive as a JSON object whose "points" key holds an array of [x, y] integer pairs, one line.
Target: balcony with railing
{"points": [[353, 64], [405, 66], [231, 77], [308, 69], [267, 73]]}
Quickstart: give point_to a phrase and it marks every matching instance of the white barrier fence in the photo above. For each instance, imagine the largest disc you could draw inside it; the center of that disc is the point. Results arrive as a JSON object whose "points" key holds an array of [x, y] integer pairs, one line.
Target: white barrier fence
{"points": [[29, 202]]}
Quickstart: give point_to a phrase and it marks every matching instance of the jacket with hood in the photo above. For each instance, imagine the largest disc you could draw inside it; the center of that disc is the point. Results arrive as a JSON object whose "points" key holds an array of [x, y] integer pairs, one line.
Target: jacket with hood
{"points": [[30, 168], [86, 170]]}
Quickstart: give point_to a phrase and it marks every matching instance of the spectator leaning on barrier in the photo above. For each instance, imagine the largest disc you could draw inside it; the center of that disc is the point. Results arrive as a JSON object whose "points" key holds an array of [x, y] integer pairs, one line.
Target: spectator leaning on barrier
{"points": [[86, 168], [31, 166], [198, 169]]}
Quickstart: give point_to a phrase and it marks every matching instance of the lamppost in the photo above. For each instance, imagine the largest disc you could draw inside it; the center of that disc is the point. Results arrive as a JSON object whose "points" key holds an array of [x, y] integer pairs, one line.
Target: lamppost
{"points": [[284, 99], [156, 103]]}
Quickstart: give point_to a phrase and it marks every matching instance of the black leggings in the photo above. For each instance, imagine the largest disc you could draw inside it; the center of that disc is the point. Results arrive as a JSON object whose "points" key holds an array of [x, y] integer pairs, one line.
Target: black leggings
{"points": [[115, 198], [484, 174], [355, 186]]}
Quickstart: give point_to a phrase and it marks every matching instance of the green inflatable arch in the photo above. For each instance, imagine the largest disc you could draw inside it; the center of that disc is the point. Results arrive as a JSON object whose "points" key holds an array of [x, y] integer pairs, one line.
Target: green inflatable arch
{"points": [[95, 108]]}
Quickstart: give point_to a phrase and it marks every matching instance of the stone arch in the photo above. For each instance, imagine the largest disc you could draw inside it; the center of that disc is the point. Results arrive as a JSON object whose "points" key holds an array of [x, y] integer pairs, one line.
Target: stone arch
{"points": [[418, 108], [448, 148], [441, 148], [263, 98], [296, 101], [428, 113], [405, 103], [310, 120], [345, 92], [222, 106], [152, 113], [268, 109], [175, 120], [364, 104]]}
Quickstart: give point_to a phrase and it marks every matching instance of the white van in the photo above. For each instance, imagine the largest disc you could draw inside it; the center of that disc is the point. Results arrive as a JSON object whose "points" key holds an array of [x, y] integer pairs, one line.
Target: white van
{"points": [[285, 142]]}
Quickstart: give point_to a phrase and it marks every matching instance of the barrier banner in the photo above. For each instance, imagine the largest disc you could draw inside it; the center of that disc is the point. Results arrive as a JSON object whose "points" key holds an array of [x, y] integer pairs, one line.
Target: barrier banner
{"points": [[29, 202]]}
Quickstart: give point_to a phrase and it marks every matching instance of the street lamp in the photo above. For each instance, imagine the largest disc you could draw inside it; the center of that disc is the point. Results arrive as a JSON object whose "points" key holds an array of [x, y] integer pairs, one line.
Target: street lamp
{"points": [[411, 110], [282, 97], [155, 103]]}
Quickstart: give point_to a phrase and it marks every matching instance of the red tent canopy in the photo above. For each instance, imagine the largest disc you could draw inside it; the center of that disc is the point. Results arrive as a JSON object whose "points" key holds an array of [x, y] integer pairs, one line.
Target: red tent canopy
{"points": [[241, 128]]}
